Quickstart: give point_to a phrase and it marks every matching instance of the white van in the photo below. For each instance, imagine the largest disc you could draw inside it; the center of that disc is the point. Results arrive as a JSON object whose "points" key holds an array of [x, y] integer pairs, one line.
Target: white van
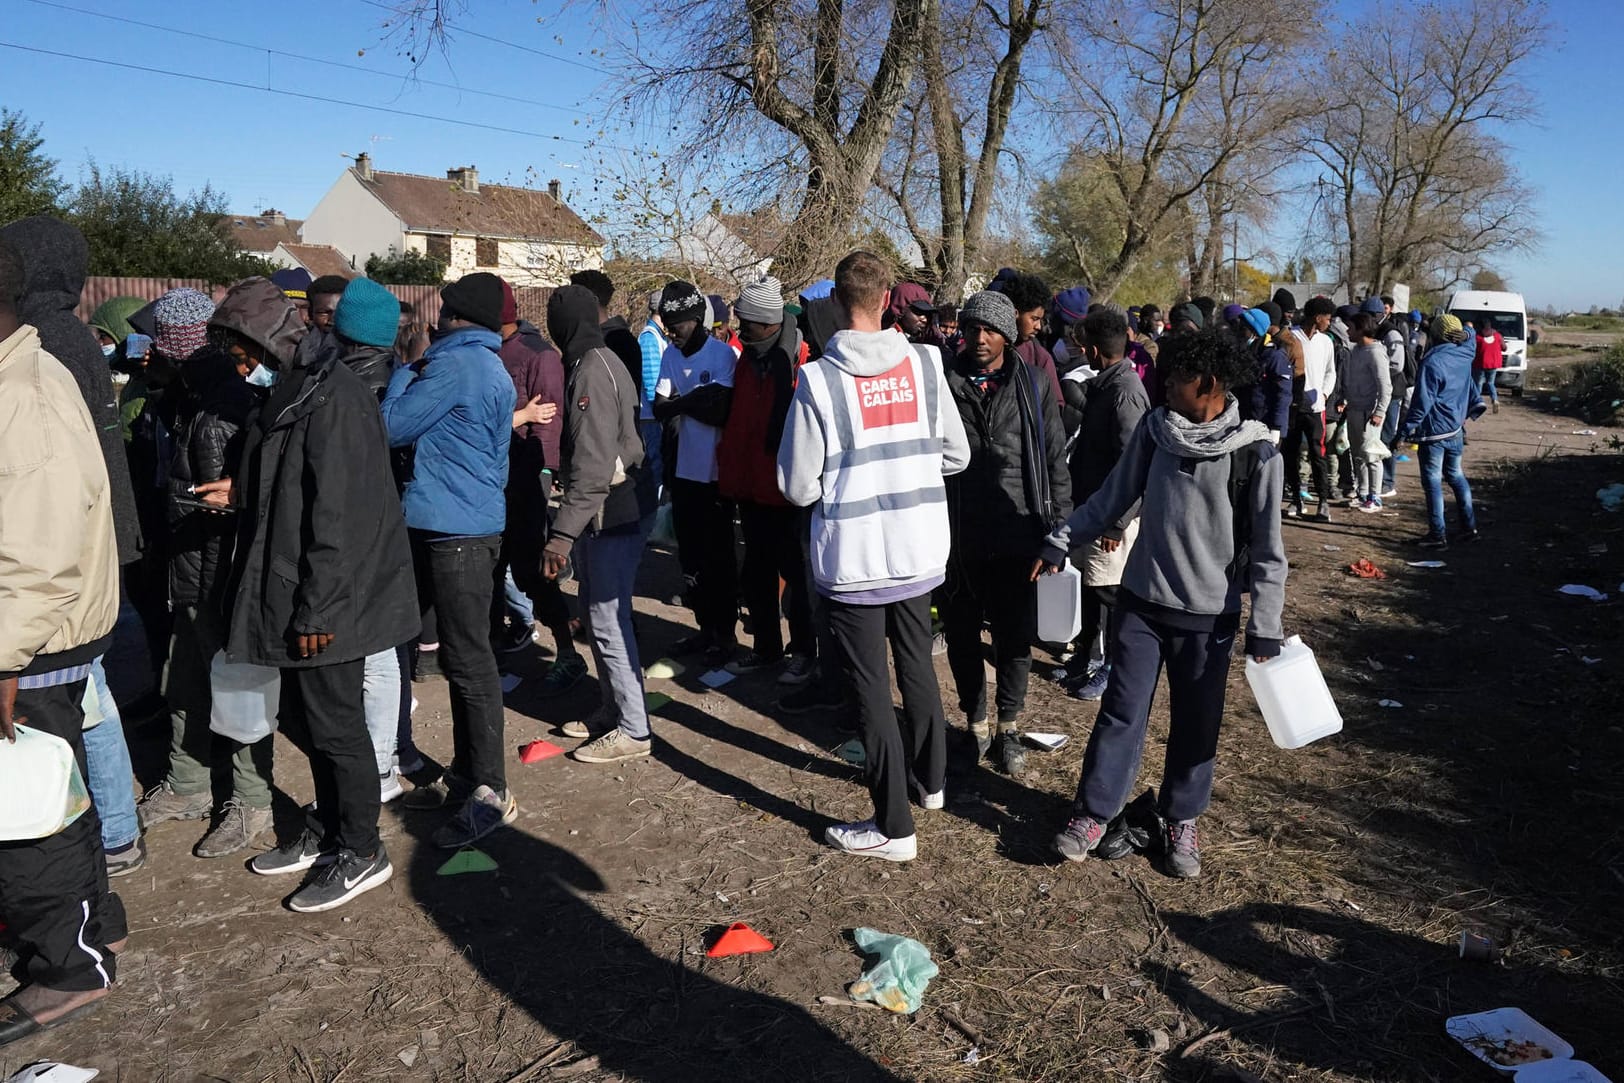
{"points": [[1510, 318]]}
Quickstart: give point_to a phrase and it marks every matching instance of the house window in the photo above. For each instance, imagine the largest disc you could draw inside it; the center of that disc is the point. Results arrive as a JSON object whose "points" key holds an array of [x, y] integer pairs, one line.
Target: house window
{"points": [[485, 249], [439, 247]]}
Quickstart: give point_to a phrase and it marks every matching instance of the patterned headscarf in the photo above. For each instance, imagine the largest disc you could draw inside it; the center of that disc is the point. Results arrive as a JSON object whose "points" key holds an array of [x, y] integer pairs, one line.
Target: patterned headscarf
{"points": [[182, 319]]}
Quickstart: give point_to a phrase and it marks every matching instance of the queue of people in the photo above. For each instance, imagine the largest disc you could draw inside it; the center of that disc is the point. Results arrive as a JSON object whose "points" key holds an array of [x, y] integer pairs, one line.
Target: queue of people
{"points": [[328, 500]]}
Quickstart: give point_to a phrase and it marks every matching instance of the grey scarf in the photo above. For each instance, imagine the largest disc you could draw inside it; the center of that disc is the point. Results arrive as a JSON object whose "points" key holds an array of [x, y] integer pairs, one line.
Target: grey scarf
{"points": [[1178, 435]]}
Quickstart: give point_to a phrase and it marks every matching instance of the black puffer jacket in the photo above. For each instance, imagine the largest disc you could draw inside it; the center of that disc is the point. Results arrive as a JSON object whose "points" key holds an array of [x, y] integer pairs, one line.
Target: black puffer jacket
{"points": [[1116, 403], [209, 437], [991, 504], [321, 542], [55, 260], [373, 364]]}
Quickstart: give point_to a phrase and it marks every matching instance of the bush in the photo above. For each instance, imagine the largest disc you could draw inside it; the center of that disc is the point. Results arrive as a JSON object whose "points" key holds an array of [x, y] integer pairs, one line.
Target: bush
{"points": [[1594, 390], [406, 269]]}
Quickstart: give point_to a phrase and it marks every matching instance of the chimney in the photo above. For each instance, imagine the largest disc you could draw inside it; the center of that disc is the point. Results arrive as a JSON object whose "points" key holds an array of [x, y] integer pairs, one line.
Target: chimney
{"points": [[465, 177], [275, 217], [716, 207], [556, 190], [363, 166]]}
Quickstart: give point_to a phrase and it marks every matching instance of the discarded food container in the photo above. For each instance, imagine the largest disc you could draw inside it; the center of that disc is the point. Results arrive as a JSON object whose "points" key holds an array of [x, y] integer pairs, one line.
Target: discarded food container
{"points": [[246, 699], [897, 981], [1060, 605], [1507, 1039], [1293, 696], [1560, 1071], [1477, 947], [41, 789]]}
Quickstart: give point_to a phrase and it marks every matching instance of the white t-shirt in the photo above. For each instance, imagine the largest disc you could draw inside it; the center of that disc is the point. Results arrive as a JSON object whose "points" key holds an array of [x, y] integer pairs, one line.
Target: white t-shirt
{"points": [[696, 441]]}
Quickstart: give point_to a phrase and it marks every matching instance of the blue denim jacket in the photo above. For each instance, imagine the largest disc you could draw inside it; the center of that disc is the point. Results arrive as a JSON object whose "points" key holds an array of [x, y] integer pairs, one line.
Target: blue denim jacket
{"points": [[1444, 392]]}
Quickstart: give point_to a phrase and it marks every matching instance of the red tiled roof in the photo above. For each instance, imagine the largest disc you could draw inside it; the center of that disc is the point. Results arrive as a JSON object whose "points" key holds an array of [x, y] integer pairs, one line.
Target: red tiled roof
{"points": [[762, 229], [263, 232], [439, 205], [321, 259]]}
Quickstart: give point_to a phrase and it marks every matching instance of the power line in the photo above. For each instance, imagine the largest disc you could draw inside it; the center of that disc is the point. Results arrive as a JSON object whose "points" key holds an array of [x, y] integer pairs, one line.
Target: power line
{"points": [[501, 41], [307, 59], [322, 98]]}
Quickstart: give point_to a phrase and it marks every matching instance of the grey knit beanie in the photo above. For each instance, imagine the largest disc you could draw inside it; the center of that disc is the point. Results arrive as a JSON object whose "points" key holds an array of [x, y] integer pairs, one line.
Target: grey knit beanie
{"points": [[991, 309], [762, 301]]}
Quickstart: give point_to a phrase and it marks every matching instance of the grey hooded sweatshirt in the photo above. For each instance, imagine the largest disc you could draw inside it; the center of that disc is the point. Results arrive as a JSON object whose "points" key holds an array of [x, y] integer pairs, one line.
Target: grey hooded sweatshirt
{"points": [[1180, 472]]}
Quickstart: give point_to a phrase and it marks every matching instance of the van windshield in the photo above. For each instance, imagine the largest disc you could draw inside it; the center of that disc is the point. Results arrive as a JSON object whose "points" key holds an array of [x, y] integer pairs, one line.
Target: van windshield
{"points": [[1509, 324]]}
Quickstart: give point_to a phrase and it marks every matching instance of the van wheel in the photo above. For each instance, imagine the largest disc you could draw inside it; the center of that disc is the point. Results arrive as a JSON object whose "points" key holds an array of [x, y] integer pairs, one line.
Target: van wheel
{"points": [[1516, 392]]}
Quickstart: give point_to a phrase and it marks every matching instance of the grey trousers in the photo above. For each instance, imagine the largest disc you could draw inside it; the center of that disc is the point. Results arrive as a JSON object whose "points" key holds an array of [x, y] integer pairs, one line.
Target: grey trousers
{"points": [[605, 571]]}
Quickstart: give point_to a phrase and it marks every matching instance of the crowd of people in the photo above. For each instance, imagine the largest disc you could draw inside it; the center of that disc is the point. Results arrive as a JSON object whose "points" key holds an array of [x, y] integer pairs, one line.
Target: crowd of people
{"points": [[298, 483]]}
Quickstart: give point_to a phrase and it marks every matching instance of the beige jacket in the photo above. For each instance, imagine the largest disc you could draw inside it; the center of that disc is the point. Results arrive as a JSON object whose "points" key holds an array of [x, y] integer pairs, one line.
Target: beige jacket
{"points": [[58, 558]]}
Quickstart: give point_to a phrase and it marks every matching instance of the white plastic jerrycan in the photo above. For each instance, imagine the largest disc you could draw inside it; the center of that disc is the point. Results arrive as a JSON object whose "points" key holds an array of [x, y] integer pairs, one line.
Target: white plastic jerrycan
{"points": [[1060, 605], [1292, 694], [246, 699]]}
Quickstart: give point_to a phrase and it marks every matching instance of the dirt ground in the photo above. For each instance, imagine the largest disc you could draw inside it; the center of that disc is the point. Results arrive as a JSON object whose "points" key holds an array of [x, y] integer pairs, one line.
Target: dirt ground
{"points": [[1319, 945]]}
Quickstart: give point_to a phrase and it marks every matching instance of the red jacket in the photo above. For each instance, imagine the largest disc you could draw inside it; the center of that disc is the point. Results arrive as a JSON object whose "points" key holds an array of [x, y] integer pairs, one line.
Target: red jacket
{"points": [[536, 372], [1032, 352], [1491, 351], [747, 456]]}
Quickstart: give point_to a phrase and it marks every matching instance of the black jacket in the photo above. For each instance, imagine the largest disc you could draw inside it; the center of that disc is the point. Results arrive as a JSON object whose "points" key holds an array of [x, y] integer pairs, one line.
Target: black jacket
{"points": [[622, 342], [321, 544], [373, 364], [55, 260], [209, 436], [992, 503], [1116, 401]]}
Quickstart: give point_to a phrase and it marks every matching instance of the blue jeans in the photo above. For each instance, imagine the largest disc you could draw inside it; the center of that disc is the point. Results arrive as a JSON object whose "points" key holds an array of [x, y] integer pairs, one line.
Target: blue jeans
{"points": [[1440, 461], [1395, 411], [519, 609], [107, 761], [605, 571], [653, 432], [380, 699], [1486, 384]]}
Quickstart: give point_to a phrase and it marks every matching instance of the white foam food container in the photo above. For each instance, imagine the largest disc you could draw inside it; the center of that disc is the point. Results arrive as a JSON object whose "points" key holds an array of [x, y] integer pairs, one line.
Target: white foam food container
{"points": [[1560, 1071], [1481, 1032]]}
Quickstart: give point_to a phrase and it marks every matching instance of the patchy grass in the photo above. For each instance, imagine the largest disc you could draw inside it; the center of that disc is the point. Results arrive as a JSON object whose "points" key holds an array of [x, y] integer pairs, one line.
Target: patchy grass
{"points": [[1593, 390]]}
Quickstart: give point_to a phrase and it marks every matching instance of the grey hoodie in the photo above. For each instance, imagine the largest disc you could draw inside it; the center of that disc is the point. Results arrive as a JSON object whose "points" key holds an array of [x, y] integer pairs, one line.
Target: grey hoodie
{"points": [[1180, 471]]}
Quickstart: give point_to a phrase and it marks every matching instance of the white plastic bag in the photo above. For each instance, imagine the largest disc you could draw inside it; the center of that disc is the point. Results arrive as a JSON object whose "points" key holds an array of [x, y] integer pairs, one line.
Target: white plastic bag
{"points": [[41, 789], [246, 698]]}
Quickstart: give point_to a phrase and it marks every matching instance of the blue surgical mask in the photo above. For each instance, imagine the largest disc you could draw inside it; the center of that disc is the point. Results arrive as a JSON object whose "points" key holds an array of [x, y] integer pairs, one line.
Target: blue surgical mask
{"points": [[107, 351], [261, 376]]}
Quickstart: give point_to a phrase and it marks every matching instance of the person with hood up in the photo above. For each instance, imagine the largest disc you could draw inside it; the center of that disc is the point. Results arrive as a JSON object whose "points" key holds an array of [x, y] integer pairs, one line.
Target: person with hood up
{"points": [[871, 433], [210, 429], [692, 399], [366, 322], [456, 405], [59, 600], [1014, 491], [910, 312], [763, 383], [607, 497], [1208, 488], [321, 577], [111, 322], [1446, 397]]}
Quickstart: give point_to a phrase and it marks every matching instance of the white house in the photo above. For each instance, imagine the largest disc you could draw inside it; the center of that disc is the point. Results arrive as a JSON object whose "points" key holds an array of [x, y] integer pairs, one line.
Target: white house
{"points": [[529, 237], [737, 247]]}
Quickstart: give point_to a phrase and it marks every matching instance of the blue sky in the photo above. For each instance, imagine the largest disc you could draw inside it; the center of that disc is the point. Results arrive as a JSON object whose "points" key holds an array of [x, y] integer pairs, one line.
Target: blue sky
{"points": [[277, 149]]}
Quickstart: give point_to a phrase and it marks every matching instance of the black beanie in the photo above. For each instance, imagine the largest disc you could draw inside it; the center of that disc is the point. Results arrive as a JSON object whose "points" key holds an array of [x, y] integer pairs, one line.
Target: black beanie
{"points": [[1283, 297], [477, 298], [682, 301], [1277, 318]]}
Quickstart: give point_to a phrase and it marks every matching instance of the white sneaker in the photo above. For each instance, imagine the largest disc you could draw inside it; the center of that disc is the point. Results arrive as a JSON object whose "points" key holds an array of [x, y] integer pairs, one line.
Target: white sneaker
{"points": [[934, 801], [1389, 494], [865, 840], [798, 670], [389, 786], [599, 722]]}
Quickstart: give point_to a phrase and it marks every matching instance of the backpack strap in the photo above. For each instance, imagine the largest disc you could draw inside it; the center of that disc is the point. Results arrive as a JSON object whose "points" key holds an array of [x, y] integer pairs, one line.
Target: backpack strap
{"points": [[1243, 463]]}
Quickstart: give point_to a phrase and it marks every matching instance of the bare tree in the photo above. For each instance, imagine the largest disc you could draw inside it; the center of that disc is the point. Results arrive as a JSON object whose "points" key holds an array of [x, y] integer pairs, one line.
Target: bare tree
{"points": [[1406, 131], [1171, 91]]}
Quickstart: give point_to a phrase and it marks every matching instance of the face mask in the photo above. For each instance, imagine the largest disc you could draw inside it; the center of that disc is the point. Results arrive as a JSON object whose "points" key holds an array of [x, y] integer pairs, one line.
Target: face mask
{"points": [[261, 376], [107, 351]]}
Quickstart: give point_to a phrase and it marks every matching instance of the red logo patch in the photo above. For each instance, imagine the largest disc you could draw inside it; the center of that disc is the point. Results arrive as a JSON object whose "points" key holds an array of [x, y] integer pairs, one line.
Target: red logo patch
{"points": [[889, 398], [586, 400]]}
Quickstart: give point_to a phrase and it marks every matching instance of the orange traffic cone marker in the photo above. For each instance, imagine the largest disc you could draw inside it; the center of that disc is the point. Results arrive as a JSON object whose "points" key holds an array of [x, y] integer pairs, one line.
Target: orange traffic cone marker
{"points": [[738, 939], [536, 751]]}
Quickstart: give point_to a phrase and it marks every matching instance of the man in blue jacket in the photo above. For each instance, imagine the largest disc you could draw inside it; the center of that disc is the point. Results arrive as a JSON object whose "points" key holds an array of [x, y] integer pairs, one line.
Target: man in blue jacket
{"points": [[1444, 396], [456, 405]]}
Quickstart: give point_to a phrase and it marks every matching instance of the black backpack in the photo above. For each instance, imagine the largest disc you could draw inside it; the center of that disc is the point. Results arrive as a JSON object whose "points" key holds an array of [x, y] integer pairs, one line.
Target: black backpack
{"points": [[1243, 464]]}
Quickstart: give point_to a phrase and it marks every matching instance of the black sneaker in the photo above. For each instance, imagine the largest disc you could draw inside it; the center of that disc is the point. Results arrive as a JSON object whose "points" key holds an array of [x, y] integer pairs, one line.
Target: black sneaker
{"points": [[697, 643], [512, 638], [1471, 535], [347, 876], [302, 853], [427, 667], [753, 661], [1431, 541], [819, 694]]}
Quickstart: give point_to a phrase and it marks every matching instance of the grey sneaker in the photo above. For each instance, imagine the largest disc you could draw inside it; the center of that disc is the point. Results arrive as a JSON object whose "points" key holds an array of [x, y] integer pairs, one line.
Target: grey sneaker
{"points": [[1182, 852], [233, 831], [612, 747], [1081, 835], [162, 804], [122, 863], [599, 722], [483, 812]]}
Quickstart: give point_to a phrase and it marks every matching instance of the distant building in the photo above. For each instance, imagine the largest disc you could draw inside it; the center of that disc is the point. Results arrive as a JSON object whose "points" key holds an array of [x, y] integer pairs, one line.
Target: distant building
{"points": [[318, 259], [259, 234], [730, 247], [529, 237]]}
